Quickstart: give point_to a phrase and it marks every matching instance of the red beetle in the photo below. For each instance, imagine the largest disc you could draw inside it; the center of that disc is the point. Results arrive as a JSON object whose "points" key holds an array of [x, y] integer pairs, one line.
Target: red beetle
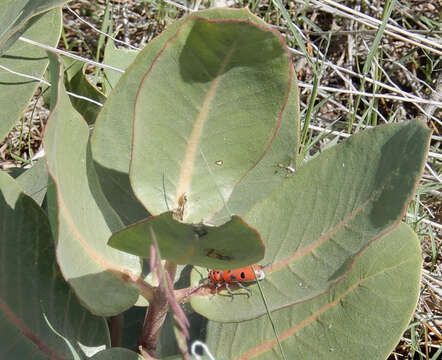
{"points": [[248, 274], [237, 277]]}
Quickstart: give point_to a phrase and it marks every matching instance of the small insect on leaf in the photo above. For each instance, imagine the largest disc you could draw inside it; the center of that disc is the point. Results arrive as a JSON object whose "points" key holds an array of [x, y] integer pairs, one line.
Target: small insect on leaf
{"points": [[178, 213], [235, 277], [212, 253]]}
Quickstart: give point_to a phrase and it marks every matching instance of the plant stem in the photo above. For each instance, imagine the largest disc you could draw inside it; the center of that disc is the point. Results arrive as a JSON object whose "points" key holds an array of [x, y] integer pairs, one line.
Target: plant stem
{"points": [[170, 267], [155, 316], [153, 322], [115, 326]]}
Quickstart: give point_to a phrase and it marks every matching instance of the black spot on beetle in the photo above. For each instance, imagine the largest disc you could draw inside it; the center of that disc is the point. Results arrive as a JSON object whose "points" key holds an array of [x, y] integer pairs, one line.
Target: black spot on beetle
{"points": [[243, 275], [232, 277]]}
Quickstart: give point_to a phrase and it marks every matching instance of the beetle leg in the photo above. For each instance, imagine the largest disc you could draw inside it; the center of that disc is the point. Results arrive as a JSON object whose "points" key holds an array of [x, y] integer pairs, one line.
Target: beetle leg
{"points": [[229, 290], [217, 286], [192, 290], [249, 293]]}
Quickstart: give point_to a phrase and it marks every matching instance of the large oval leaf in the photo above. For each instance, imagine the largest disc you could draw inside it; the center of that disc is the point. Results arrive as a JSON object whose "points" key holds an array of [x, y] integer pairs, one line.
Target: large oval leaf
{"points": [[327, 213], [105, 279], [231, 245], [27, 59], [40, 317], [206, 111], [18, 15], [362, 317], [114, 125], [272, 169]]}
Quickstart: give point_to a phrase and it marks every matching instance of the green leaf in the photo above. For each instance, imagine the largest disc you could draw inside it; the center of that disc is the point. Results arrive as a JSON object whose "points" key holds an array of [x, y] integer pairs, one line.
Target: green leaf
{"points": [[117, 354], [34, 181], [179, 357], [273, 168], [114, 123], [231, 245], [25, 59], [362, 317], [40, 316], [118, 57], [52, 207], [77, 83], [104, 279], [206, 112], [320, 219], [18, 15]]}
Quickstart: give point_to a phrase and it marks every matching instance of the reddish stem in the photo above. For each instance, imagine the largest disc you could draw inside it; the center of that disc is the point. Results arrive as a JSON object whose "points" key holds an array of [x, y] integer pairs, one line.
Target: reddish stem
{"points": [[116, 322], [155, 316]]}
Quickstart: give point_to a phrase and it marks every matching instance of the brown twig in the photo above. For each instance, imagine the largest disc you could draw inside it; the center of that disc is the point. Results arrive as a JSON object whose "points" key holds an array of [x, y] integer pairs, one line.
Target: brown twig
{"points": [[116, 323], [153, 322], [164, 297]]}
